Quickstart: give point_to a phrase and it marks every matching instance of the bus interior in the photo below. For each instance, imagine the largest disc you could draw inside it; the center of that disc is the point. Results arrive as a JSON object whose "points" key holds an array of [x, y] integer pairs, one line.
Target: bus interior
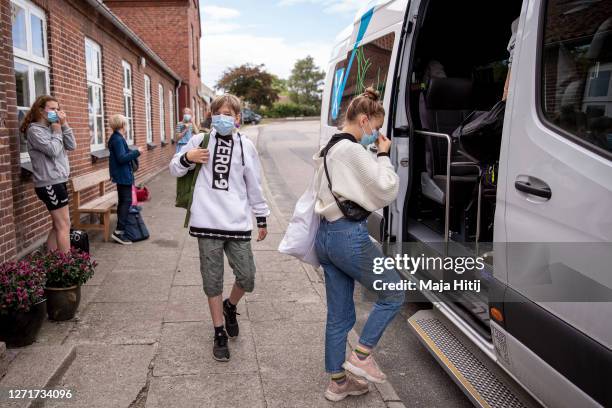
{"points": [[459, 66]]}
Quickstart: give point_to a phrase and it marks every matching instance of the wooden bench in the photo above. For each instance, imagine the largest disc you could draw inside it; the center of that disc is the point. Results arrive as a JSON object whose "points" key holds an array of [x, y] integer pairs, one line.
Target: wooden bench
{"points": [[101, 205]]}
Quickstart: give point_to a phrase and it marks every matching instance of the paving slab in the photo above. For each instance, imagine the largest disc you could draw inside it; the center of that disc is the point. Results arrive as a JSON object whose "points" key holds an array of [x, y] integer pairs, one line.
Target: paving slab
{"points": [[106, 376], [35, 367], [104, 267], [206, 390], [54, 333], [126, 285], [275, 261], [119, 323], [150, 258], [187, 304], [186, 348], [269, 310], [283, 290], [280, 333]]}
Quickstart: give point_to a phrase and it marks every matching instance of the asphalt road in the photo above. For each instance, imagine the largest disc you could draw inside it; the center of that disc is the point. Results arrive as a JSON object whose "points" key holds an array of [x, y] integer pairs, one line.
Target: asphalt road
{"points": [[286, 149]]}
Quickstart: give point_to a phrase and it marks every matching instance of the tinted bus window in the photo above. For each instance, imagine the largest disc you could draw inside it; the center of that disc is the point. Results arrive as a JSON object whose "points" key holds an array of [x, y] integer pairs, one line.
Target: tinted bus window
{"points": [[367, 66], [577, 68]]}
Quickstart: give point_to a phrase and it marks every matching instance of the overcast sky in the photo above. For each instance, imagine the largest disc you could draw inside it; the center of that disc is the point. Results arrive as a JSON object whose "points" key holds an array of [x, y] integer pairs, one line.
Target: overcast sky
{"points": [[273, 32]]}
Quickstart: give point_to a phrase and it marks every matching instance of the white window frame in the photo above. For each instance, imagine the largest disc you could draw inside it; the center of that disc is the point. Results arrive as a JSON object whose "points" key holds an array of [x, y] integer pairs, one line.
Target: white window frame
{"points": [[33, 62], [162, 114], [171, 112], [148, 110], [94, 81], [127, 95], [31, 9]]}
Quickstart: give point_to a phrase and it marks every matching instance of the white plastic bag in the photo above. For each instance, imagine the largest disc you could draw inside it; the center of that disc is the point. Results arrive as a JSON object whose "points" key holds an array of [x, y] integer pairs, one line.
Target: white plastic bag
{"points": [[299, 239]]}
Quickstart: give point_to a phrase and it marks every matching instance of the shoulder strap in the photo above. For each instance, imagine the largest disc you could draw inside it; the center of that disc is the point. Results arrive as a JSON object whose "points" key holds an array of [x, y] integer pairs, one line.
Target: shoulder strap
{"points": [[324, 154], [196, 171]]}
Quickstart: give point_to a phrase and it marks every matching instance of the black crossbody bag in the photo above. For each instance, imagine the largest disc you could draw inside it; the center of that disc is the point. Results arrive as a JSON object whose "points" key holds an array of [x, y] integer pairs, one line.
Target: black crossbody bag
{"points": [[350, 209]]}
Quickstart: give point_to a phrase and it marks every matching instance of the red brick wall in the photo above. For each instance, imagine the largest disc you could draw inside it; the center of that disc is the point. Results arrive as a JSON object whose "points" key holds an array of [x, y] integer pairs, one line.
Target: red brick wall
{"points": [[7, 120], [166, 27], [69, 22]]}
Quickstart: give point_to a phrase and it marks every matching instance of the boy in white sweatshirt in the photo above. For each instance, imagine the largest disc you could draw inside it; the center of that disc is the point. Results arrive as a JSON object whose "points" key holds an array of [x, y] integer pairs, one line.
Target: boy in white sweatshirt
{"points": [[227, 191]]}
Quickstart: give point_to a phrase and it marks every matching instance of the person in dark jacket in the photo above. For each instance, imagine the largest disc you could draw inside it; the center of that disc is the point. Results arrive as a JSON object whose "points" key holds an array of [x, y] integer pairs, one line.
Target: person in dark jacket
{"points": [[121, 172]]}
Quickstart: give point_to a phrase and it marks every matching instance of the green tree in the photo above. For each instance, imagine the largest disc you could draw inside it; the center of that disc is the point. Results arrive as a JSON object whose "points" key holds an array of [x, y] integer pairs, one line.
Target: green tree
{"points": [[280, 85], [305, 83], [250, 82]]}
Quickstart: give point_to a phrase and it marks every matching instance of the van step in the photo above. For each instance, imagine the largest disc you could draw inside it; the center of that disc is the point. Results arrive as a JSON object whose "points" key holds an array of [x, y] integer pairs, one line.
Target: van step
{"points": [[484, 383]]}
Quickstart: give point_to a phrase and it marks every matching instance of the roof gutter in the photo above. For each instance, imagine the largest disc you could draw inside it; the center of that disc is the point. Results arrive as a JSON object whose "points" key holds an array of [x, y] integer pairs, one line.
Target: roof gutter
{"points": [[106, 12]]}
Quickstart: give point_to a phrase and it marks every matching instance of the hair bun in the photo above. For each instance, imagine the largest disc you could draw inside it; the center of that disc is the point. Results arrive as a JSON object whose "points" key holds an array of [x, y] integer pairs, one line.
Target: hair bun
{"points": [[372, 94]]}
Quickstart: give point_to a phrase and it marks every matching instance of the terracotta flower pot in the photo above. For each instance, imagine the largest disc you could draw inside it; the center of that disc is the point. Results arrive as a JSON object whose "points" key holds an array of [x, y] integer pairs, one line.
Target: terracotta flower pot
{"points": [[62, 303], [20, 329]]}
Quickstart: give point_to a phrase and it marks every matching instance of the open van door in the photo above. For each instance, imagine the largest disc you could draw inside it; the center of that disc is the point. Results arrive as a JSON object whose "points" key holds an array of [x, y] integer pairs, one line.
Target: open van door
{"points": [[553, 224], [367, 58]]}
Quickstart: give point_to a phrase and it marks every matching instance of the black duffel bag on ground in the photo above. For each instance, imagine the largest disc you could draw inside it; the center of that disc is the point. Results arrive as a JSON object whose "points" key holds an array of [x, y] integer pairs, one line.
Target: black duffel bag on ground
{"points": [[135, 228], [480, 133], [79, 240]]}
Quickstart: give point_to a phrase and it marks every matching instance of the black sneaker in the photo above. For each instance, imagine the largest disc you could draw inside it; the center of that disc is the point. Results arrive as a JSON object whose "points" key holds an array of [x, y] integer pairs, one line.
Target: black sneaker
{"points": [[121, 238], [220, 348], [231, 323]]}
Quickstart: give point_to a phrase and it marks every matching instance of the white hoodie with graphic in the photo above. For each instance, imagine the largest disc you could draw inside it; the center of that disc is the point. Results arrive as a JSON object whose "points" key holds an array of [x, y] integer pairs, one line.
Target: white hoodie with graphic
{"points": [[227, 190]]}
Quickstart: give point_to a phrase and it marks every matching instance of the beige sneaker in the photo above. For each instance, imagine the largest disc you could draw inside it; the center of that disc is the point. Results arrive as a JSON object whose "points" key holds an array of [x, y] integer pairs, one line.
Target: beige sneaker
{"points": [[366, 368], [352, 386]]}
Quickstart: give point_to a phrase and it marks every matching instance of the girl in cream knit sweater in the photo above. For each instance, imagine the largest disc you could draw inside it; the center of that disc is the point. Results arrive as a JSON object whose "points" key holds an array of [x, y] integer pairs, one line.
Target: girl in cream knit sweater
{"points": [[343, 244]]}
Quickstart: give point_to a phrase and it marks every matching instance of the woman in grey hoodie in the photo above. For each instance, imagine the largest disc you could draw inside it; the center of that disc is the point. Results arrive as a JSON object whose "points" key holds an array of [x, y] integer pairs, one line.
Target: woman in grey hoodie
{"points": [[49, 137]]}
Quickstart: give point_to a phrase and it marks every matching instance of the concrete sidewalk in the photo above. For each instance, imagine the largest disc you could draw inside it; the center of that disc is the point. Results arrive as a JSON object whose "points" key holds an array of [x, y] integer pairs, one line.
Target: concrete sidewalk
{"points": [[143, 335]]}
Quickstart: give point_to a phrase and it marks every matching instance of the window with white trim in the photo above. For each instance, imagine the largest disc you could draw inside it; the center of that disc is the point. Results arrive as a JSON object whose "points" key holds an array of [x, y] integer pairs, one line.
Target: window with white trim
{"points": [[95, 105], [128, 106], [172, 113], [148, 111], [31, 62], [162, 114]]}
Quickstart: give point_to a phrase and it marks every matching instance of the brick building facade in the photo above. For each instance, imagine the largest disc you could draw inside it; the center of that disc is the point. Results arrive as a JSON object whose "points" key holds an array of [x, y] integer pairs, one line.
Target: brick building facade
{"points": [[179, 21], [83, 54]]}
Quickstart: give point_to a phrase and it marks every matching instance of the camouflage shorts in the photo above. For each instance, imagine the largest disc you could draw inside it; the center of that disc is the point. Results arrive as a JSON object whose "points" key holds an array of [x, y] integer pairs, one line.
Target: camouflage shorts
{"points": [[240, 257]]}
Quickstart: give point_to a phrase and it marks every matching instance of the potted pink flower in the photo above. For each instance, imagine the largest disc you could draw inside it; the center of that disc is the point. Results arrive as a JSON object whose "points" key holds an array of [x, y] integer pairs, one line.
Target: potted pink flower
{"points": [[65, 273], [22, 302]]}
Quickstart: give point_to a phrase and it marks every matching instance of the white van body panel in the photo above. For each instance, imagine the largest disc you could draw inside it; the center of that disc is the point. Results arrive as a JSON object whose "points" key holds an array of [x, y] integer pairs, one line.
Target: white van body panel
{"points": [[551, 388], [578, 211]]}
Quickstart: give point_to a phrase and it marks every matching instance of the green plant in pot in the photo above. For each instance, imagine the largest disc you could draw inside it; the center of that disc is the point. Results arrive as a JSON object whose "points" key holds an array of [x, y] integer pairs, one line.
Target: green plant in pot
{"points": [[22, 302], [65, 273]]}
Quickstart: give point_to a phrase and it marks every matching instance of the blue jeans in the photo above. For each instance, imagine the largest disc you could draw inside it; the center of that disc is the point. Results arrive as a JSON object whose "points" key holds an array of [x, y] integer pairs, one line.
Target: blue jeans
{"points": [[347, 254]]}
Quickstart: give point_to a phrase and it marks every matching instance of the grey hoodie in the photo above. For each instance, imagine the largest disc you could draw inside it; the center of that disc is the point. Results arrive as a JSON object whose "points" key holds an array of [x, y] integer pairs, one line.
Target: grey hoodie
{"points": [[48, 153]]}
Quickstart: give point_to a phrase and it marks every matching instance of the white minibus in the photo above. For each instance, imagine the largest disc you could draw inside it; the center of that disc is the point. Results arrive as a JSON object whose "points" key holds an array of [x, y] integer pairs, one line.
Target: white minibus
{"points": [[520, 177]]}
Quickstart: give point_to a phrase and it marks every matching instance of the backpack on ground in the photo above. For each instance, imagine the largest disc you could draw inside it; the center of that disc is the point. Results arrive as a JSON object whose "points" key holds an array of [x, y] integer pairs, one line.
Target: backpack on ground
{"points": [[186, 184], [135, 228], [79, 240]]}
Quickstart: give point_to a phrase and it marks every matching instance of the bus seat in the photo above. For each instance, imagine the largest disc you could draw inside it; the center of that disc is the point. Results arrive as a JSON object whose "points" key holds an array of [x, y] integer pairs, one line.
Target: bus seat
{"points": [[448, 101]]}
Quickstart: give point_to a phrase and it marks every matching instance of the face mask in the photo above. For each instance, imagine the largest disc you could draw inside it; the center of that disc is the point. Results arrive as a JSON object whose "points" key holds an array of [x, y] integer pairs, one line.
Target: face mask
{"points": [[186, 117], [52, 116], [368, 139], [223, 124]]}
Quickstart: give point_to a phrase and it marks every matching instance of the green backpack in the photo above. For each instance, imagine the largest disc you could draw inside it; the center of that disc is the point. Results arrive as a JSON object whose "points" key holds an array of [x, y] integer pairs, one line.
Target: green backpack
{"points": [[185, 185]]}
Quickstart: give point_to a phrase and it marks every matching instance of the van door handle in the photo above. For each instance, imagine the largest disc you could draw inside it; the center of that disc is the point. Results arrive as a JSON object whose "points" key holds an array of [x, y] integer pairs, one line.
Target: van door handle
{"points": [[528, 188]]}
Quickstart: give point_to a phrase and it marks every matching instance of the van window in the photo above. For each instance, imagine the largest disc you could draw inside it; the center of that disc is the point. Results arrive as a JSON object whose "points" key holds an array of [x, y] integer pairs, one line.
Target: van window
{"points": [[368, 66], [577, 68]]}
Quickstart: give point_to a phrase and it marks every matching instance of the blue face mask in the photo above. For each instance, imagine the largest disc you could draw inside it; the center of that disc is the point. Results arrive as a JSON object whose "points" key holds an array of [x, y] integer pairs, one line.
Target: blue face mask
{"points": [[186, 117], [368, 139], [223, 124], [52, 116]]}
